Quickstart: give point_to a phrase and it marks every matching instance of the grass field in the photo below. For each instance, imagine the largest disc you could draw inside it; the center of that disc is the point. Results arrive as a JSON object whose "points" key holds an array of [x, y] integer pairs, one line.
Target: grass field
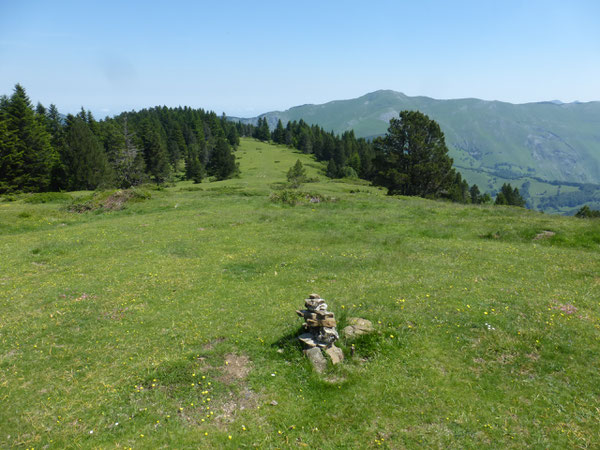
{"points": [[171, 323]]}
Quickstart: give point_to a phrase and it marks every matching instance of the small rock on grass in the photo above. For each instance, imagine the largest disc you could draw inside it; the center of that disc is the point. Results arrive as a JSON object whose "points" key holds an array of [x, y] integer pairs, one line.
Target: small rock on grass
{"points": [[357, 326]]}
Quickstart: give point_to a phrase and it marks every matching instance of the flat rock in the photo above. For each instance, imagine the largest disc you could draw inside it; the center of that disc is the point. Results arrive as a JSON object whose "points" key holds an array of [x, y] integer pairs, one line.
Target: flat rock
{"points": [[361, 324], [335, 353], [307, 314], [317, 359], [329, 322], [308, 339], [357, 327]]}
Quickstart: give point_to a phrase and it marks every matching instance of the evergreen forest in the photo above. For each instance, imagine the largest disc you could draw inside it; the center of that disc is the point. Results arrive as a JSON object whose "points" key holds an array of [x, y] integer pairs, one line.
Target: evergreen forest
{"points": [[43, 150]]}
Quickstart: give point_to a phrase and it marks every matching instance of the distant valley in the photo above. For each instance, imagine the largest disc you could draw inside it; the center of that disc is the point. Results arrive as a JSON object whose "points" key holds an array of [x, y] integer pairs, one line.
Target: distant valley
{"points": [[550, 150]]}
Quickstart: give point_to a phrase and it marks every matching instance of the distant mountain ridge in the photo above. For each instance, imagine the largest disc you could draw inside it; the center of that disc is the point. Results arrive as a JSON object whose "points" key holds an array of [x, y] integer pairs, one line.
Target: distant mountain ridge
{"points": [[554, 141], [490, 141]]}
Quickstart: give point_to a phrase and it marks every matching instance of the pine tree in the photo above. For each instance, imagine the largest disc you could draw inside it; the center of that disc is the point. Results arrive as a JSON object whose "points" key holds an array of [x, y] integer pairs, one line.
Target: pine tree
{"points": [[233, 137], [129, 165], [413, 158], [222, 161], [296, 175], [305, 141], [262, 132], [83, 157], [194, 169], [279, 133], [8, 161], [155, 153], [27, 156], [332, 169], [475, 194], [509, 196]]}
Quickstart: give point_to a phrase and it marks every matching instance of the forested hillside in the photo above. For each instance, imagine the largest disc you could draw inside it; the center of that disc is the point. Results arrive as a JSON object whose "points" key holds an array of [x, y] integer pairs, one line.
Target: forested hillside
{"points": [[551, 151], [42, 150]]}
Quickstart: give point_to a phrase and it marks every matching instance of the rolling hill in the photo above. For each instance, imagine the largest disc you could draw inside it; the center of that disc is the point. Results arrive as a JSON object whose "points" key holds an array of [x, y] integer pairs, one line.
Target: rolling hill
{"points": [[546, 144]]}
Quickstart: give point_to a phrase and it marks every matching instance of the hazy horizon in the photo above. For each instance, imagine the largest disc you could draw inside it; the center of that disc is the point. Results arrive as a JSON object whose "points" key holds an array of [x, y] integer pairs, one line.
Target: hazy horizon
{"points": [[247, 59]]}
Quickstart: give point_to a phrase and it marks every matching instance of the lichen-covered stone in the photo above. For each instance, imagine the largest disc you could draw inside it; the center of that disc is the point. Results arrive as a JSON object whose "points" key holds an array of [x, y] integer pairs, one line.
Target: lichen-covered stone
{"points": [[335, 354], [357, 326], [329, 322]]}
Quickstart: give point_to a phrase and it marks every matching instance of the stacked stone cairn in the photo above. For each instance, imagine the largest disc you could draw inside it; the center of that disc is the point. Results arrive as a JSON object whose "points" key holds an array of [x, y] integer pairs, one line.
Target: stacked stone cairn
{"points": [[321, 333]]}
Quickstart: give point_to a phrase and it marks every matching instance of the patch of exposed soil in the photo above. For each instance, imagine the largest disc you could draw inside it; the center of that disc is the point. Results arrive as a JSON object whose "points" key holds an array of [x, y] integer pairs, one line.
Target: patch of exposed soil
{"points": [[244, 399], [237, 367]]}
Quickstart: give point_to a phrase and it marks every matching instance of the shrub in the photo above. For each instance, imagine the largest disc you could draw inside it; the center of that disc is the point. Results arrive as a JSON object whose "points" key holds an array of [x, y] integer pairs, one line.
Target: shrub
{"points": [[293, 198]]}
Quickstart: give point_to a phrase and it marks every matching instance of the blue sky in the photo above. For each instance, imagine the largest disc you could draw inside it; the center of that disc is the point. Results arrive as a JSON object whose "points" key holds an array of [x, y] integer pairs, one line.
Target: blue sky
{"points": [[249, 57]]}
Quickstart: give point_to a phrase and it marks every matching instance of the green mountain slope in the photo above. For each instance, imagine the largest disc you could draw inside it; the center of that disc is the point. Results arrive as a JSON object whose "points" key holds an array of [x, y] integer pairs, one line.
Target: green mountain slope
{"points": [[499, 141]]}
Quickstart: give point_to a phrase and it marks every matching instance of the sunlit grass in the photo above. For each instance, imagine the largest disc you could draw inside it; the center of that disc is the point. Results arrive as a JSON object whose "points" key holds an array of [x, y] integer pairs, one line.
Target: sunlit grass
{"points": [[114, 323]]}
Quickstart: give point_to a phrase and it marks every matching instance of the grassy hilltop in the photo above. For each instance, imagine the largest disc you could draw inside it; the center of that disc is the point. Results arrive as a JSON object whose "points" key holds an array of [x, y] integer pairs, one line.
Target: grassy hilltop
{"points": [[171, 322]]}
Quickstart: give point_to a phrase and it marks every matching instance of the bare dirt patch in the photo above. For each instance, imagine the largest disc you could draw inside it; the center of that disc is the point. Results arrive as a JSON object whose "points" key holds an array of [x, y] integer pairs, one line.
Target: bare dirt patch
{"points": [[244, 399], [237, 367]]}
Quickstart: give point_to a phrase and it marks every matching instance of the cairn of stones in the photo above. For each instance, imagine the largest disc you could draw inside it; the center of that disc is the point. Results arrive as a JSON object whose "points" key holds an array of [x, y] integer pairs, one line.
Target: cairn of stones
{"points": [[321, 333]]}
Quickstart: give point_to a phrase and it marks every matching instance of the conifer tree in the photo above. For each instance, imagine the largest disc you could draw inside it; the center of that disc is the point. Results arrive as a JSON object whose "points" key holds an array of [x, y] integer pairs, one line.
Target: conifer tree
{"points": [[296, 175], [509, 196], [332, 169], [129, 165], [222, 161], [233, 137], [475, 194], [279, 133], [28, 156], [262, 132], [155, 153], [83, 157], [413, 158], [194, 169]]}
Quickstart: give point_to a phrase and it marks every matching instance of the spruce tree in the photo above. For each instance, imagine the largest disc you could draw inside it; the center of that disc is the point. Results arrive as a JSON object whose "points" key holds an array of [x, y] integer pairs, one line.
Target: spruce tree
{"points": [[222, 161], [233, 137], [83, 157], [8, 160], [262, 132], [509, 196], [296, 175], [28, 156], [279, 133], [475, 194], [155, 153], [332, 169]]}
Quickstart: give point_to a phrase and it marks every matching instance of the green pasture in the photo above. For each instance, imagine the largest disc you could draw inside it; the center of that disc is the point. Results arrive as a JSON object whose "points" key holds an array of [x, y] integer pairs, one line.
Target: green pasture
{"points": [[171, 322]]}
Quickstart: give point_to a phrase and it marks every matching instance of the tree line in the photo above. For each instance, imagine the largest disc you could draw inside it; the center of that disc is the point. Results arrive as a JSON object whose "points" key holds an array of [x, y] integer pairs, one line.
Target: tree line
{"points": [[411, 159], [42, 150]]}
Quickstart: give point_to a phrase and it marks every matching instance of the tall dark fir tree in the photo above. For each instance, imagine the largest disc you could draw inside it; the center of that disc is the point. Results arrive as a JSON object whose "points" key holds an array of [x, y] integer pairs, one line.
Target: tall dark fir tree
{"points": [[85, 164], [26, 153]]}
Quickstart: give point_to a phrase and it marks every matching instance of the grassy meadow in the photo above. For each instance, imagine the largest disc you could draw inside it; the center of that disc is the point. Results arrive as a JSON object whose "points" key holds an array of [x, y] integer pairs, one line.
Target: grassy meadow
{"points": [[171, 323]]}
